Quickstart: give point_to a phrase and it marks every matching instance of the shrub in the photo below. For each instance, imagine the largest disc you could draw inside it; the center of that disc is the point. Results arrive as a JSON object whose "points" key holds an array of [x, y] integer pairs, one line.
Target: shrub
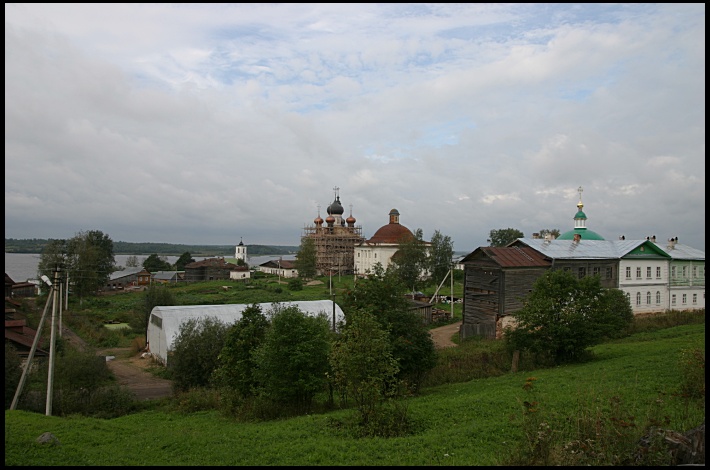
{"points": [[382, 294], [292, 361], [195, 353], [236, 362], [563, 316], [295, 284]]}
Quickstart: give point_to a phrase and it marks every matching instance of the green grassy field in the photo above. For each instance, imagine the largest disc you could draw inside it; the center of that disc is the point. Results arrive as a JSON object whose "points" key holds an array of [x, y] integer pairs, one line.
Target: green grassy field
{"points": [[558, 413]]}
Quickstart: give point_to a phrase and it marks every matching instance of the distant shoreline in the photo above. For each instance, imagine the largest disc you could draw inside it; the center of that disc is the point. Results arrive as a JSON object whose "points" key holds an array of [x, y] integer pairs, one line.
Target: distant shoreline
{"points": [[36, 246]]}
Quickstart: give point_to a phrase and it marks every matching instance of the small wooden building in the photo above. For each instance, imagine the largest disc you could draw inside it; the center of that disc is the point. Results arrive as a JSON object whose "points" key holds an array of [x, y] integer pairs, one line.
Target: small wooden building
{"points": [[209, 269], [496, 281]]}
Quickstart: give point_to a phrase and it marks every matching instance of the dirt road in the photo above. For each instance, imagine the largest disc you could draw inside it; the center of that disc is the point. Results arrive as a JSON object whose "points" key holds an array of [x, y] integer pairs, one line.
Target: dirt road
{"points": [[442, 335], [130, 372]]}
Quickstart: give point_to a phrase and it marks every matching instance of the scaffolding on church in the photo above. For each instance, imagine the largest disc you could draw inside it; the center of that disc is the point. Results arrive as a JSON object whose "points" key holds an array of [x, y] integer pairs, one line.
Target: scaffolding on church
{"points": [[335, 247], [335, 239]]}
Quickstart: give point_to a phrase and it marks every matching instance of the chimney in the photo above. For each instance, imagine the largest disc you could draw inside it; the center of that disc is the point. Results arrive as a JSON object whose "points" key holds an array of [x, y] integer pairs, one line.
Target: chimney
{"points": [[653, 239], [672, 242], [536, 236], [577, 238]]}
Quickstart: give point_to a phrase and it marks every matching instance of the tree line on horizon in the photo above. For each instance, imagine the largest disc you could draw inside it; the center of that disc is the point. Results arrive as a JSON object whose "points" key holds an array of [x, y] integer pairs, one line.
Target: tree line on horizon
{"points": [[37, 245]]}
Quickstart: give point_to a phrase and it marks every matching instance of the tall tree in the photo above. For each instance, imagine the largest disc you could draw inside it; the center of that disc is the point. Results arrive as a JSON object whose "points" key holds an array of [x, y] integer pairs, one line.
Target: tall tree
{"points": [[155, 263], [132, 262], [54, 256], [87, 258], [441, 254], [409, 263], [382, 293], [503, 236], [306, 258], [184, 259]]}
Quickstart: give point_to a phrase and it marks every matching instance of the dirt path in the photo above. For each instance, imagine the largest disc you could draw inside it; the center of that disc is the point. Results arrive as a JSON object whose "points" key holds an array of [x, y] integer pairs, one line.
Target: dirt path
{"points": [[442, 335], [130, 372]]}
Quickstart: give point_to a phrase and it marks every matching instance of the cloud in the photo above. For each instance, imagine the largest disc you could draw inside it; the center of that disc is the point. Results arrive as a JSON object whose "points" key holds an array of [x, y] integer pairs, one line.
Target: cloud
{"points": [[207, 124]]}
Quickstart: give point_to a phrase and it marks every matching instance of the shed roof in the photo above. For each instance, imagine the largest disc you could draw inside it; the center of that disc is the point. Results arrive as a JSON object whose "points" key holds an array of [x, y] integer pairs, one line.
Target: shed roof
{"points": [[510, 256], [125, 273]]}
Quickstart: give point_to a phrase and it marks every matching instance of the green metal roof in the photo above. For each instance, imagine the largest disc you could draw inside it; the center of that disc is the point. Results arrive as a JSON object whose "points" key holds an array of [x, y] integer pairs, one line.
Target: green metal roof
{"points": [[585, 233]]}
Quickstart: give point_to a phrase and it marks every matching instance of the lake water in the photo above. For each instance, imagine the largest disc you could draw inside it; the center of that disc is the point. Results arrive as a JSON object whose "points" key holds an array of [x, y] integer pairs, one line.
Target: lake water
{"points": [[23, 266]]}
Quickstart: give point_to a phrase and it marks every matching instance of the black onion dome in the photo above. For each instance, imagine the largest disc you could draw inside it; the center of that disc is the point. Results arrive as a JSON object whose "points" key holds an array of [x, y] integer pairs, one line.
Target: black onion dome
{"points": [[336, 208]]}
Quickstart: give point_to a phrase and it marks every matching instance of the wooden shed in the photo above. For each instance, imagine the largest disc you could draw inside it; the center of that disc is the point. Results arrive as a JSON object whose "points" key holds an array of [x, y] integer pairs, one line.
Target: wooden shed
{"points": [[496, 280]]}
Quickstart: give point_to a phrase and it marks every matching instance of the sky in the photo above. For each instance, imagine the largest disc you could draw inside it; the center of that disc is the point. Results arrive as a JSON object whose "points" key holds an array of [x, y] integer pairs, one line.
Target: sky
{"points": [[209, 124]]}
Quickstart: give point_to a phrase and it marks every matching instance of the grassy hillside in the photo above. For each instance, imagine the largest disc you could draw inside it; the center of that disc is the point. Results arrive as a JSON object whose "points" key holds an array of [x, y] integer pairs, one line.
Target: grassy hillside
{"points": [[579, 414]]}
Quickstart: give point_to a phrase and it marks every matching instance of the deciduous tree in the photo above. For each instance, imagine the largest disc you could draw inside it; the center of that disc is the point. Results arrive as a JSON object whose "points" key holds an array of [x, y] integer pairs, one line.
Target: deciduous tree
{"points": [[236, 360], [382, 294], [195, 352], [184, 259], [409, 263], [441, 253], [563, 316], [503, 236], [87, 258], [155, 263], [292, 361], [306, 258]]}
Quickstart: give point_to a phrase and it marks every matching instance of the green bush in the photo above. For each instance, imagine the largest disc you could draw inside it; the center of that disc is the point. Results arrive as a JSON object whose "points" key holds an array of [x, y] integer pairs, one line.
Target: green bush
{"points": [[195, 353], [236, 360], [295, 284], [292, 361], [563, 316]]}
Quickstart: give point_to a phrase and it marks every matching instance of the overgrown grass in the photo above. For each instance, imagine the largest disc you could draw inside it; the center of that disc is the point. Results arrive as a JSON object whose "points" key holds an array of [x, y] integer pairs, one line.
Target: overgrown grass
{"points": [[592, 413]]}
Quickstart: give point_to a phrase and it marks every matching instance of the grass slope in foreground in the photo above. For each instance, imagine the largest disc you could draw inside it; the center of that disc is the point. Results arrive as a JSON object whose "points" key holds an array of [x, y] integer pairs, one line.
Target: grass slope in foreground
{"points": [[474, 423]]}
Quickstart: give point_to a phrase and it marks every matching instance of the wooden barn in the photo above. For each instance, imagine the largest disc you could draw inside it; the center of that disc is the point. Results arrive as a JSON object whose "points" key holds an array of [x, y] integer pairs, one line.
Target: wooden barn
{"points": [[496, 280], [209, 269]]}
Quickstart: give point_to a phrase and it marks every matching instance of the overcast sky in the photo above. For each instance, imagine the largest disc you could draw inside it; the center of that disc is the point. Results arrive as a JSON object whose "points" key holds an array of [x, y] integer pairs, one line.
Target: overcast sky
{"points": [[210, 123]]}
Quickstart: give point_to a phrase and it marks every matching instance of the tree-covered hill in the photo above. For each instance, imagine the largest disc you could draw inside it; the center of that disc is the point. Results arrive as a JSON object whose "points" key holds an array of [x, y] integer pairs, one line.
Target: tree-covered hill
{"points": [[36, 245]]}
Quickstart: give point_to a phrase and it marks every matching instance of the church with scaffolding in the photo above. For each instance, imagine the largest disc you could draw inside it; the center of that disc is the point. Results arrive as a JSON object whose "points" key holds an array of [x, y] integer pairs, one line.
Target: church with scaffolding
{"points": [[335, 239]]}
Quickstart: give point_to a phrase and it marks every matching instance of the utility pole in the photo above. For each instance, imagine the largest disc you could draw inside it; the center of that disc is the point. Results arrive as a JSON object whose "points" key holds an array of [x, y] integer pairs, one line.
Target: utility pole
{"points": [[61, 303], [35, 342], [451, 273], [50, 374], [66, 293]]}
